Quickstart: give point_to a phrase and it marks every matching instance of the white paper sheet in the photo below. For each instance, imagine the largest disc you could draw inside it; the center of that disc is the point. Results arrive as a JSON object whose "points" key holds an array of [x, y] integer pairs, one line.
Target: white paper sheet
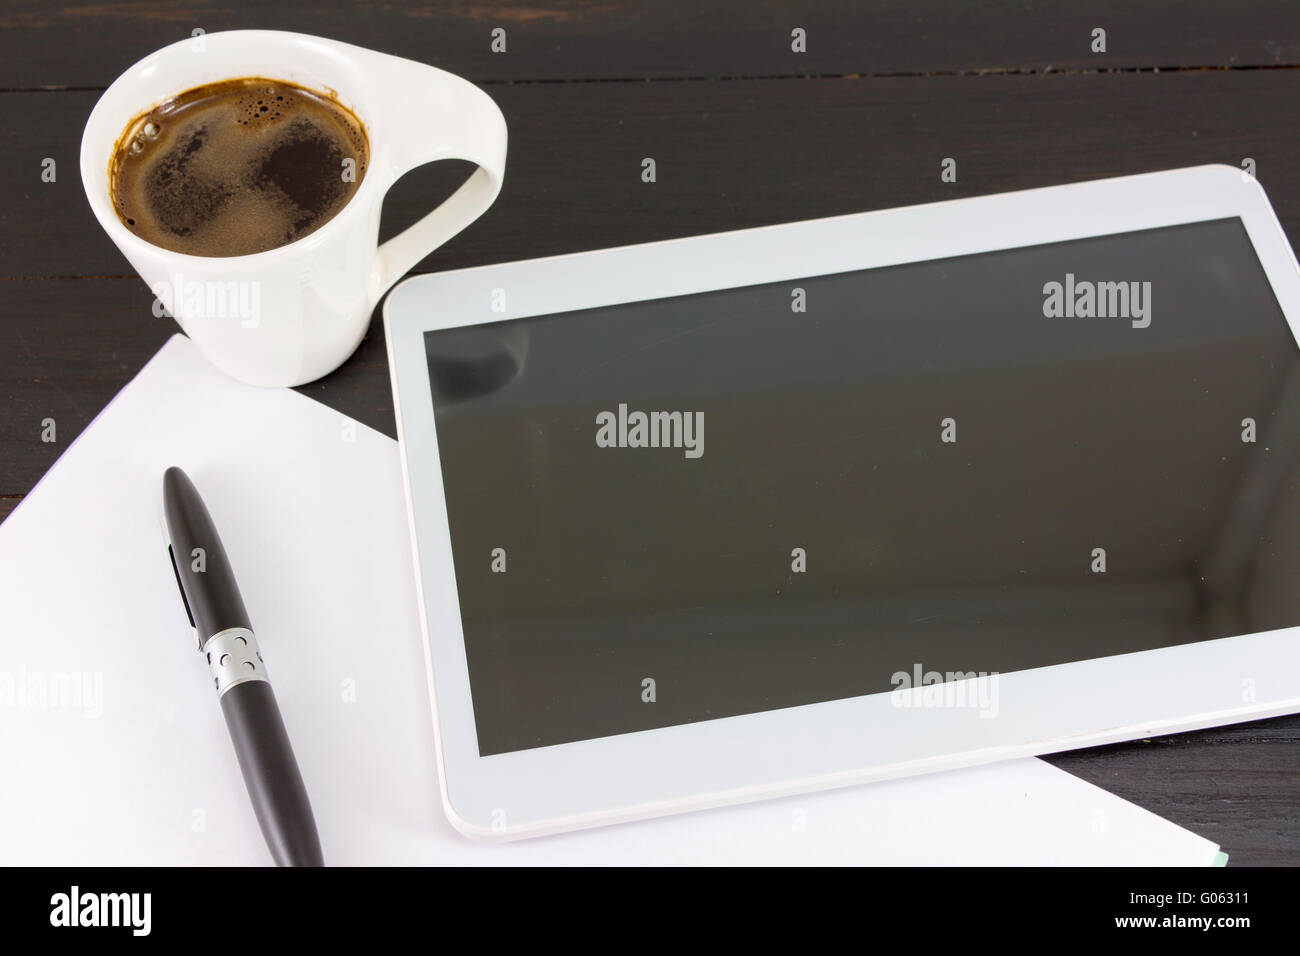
{"points": [[124, 757]]}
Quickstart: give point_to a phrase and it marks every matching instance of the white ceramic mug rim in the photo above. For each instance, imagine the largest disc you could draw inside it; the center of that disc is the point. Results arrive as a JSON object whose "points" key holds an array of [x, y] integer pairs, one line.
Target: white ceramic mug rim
{"points": [[99, 193]]}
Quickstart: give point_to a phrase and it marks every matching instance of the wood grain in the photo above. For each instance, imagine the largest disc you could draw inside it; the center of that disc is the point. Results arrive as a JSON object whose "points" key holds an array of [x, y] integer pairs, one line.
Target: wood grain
{"points": [[744, 133], [68, 346], [738, 154], [87, 45], [1236, 785]]}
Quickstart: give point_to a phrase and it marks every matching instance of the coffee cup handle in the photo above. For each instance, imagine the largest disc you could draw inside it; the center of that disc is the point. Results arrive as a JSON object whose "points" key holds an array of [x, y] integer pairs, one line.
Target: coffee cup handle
{"points": [[471, 128]]}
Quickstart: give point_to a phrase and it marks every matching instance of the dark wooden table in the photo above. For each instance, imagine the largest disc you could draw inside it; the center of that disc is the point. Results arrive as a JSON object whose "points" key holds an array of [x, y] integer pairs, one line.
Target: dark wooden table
{"points": [[745, 132]]}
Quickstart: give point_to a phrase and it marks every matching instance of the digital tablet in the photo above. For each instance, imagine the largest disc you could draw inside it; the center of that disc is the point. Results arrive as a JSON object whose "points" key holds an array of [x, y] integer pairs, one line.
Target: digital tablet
{"points": [[743, 515]]}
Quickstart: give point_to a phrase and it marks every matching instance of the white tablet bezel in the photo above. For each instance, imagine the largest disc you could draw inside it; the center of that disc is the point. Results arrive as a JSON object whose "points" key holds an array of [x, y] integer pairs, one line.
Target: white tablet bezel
{"points": [[798, 749]]}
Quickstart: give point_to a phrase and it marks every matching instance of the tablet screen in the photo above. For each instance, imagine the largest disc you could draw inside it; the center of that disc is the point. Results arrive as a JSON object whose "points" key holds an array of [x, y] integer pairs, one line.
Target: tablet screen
{"points": [[717, 504]]}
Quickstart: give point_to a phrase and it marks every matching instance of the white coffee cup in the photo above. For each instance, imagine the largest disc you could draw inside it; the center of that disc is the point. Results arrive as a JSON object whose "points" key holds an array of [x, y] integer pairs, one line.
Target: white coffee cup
{"points": [[294, 313]]}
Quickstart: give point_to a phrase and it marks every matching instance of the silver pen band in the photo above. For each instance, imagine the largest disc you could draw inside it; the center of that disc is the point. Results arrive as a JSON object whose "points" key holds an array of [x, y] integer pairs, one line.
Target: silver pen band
{"points": [[234, 658]]}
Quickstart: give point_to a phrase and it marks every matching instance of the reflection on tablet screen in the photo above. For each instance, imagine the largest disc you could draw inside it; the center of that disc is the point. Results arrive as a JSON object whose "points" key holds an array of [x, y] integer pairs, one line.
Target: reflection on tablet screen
{"points": [[791, 493]]}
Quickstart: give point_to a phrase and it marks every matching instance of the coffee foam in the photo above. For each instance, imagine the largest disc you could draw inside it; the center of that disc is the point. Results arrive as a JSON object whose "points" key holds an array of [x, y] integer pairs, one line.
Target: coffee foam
{"points": [[236, 167]]}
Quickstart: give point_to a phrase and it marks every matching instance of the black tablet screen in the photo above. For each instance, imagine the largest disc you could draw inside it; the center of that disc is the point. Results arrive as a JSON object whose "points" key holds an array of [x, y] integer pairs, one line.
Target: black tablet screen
{"points": [[716, 504]]}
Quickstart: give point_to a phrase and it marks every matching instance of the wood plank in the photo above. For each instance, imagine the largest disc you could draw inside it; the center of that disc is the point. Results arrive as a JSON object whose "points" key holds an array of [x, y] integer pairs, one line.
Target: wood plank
{"points": [[68, 347], [731, 154], [1234, 785], [737, 154], [87, 45]]}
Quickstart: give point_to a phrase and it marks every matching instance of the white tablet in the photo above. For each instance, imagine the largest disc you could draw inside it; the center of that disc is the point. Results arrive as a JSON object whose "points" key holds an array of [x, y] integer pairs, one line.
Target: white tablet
{"points": [[743, 515]]}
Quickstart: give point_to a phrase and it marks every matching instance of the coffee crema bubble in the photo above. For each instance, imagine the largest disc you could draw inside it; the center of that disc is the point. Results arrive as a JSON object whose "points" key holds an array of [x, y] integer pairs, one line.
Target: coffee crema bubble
{"points": [[237, 167]]}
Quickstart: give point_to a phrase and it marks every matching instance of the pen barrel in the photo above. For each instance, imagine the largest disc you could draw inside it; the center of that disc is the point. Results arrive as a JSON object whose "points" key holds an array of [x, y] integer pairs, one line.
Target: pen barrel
{"points": [[271, 774]]}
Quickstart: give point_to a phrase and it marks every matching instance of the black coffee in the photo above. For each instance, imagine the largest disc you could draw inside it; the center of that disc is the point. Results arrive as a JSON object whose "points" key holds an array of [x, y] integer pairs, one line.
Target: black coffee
{"points": [[237, 167]]}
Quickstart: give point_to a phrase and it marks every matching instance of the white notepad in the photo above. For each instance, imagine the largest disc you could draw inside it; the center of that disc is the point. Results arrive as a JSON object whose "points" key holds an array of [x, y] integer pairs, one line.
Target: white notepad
{"points": [[115, 750]]}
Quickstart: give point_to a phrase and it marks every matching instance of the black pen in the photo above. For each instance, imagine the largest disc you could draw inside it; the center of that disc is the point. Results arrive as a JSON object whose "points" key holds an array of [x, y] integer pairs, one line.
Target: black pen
{"points": [[220, 622]]}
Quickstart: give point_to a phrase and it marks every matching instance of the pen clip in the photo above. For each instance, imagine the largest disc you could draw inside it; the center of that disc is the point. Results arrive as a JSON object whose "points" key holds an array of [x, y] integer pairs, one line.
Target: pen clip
{"points": [[184, 600]]}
